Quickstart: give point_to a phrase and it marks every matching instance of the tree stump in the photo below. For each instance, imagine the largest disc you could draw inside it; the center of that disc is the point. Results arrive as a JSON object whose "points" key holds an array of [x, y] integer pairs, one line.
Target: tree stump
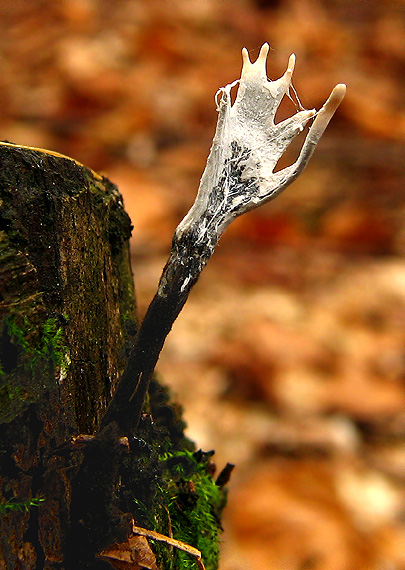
{"points": [[67, 326], [67, 313]]}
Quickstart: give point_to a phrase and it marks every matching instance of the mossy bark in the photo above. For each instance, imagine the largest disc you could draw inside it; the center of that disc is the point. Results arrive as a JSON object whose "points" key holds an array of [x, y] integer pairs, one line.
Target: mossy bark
{"points": [[67, 318], [67, 326]]}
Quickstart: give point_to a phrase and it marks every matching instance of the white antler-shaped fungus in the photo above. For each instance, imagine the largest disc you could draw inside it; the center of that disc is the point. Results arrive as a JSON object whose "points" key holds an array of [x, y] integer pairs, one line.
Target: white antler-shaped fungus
{"points": [[239, 176]]}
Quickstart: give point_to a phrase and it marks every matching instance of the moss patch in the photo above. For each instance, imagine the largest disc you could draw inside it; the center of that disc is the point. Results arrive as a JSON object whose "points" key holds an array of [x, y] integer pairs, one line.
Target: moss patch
{"points": [[37, 342], [188, 505], [183, 501], [13, 505], [33, 351]]}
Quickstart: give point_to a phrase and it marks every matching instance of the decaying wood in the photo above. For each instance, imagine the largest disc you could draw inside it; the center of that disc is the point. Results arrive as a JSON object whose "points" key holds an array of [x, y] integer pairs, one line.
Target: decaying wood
{"points": [[67, 318], [69, 488]]}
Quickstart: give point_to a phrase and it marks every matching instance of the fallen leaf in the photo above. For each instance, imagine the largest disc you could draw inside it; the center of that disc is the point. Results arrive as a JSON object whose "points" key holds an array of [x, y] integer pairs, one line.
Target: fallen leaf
{"points": [[134, 554]]}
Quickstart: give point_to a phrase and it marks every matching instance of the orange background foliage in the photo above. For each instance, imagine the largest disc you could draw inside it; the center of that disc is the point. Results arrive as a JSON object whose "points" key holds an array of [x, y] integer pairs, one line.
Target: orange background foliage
{"points": [[289, 356]]}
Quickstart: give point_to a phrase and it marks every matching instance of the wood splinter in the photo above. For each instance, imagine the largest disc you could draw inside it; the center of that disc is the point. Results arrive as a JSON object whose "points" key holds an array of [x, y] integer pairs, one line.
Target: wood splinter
{"points": [[170, 542], [129, 551]]}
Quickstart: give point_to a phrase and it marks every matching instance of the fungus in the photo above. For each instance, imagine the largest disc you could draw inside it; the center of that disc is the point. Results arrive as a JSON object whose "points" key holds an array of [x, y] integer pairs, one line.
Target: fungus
{"points": [[239, 176]]}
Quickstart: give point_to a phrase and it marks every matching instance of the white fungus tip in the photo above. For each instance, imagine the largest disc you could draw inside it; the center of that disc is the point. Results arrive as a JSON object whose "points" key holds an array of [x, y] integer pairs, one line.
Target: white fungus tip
{"points": [[258, 67], [334, 99], [326, 112], [264, 50], [339, 92], [291, 63], [245, 58]]}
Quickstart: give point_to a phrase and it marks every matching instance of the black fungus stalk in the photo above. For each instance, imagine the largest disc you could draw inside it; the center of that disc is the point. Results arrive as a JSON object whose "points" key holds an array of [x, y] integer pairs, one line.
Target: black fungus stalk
{"points": [[239, 177], [179, 276]]}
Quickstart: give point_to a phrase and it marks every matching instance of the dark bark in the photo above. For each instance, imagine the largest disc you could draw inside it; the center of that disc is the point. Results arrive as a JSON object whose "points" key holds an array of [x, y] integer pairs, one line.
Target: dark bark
{"points": [[67, 317]]}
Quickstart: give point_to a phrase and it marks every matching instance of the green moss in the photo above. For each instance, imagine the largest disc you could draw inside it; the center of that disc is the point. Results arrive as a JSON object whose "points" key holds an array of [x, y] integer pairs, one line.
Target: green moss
{"points": [[44, 340], [32, 349], [188, 505], [12, 505], [176, 495], [10, 392]]}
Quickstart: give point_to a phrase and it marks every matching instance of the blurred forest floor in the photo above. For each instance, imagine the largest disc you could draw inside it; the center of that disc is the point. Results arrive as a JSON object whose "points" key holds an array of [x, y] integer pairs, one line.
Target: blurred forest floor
{"points": [[289, 356]]}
